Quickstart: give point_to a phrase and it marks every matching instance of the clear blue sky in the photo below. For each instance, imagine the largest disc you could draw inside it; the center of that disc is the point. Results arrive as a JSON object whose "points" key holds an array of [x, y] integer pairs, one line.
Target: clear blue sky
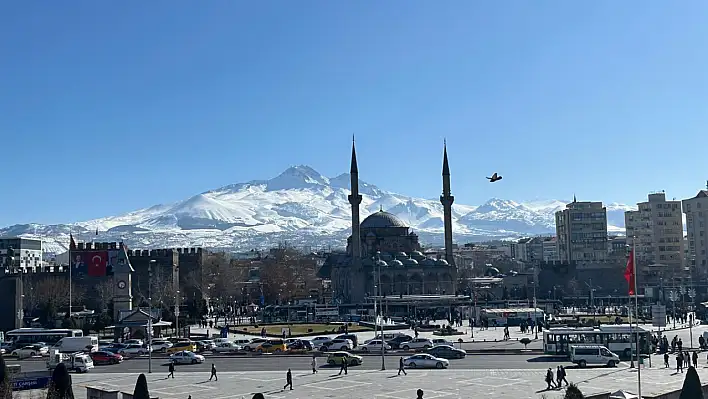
{"points": [[107, 107]]}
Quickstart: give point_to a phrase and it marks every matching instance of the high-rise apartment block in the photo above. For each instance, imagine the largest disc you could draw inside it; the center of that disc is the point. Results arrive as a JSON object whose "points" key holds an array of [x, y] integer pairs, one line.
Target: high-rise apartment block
{"points": [[581, 232], [696, 210], [655, 230]]}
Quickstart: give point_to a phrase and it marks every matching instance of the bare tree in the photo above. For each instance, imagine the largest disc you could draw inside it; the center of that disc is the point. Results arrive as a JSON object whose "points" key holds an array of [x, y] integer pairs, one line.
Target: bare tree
{"points": [[103, 294]]}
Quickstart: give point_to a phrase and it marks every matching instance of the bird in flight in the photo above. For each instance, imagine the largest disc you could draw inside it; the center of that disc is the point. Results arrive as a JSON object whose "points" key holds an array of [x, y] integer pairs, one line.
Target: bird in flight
{"points": [[494, 178]]}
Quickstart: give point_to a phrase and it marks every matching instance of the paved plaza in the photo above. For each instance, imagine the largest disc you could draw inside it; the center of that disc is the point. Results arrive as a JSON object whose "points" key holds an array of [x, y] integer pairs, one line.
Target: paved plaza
{"points": [[361, 384]]}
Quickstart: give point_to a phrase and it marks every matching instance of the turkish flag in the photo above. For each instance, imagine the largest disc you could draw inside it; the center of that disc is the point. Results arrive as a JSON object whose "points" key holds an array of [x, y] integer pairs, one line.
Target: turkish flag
{"points": [[629, 273], [97, 262]]}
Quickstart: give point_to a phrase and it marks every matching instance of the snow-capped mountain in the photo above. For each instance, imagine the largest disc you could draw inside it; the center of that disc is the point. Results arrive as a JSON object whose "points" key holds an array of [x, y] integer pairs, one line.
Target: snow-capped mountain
{"points": [[303, 208]]}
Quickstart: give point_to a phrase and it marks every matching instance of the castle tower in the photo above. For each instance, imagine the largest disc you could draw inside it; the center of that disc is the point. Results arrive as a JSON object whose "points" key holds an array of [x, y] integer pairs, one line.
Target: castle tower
{"points": [[355, 200], [446, 199]]}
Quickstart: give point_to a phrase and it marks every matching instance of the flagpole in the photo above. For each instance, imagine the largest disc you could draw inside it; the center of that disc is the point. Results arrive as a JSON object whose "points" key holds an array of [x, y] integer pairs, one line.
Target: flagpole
{"points": [[636, 317], [629, 307], [71, 240]]}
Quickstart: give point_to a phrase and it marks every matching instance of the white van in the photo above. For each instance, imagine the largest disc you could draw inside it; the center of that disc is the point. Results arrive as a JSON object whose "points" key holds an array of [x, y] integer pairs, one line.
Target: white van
{"points": [[77, 344], [582, 355]]}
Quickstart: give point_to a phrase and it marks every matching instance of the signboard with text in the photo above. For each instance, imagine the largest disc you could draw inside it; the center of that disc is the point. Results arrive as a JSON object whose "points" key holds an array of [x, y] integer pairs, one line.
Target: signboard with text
{"points": [[658, 315]]}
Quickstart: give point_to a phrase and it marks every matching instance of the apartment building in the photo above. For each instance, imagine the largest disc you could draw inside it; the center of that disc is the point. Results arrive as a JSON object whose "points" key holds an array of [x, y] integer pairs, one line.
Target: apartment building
{"points": [[535, 249], [581, 232], [27, 252], [655, 230], [696, 210]]}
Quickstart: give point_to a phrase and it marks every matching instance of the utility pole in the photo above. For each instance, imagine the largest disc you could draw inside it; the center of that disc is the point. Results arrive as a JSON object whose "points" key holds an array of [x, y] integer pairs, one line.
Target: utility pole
{"points": [[149, 328]]}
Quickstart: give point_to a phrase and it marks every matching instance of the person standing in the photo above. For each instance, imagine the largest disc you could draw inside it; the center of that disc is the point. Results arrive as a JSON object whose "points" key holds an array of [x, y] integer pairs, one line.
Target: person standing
{"points": [[171, 369], [314, 364], [679, 362], [400, 367], [419, 393], [213, 373], [666, 360], [695, 359], [288, 380]]}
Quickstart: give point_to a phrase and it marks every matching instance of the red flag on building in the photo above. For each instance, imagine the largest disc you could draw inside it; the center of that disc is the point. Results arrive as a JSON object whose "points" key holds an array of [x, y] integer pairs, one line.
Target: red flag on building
{"points": [[72, 243], [97, 263], [629, 272]]}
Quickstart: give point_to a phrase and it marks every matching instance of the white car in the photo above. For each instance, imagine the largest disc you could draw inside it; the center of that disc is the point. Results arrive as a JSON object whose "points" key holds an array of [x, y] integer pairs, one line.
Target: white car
{"points": [[133, 342], [30, 351], [161, 346], [374, 346], [134, 350], [442, 341], [226, 347], [319, 342], [186, 357], [241, 342], [254, 343], [425, 361], [338, 344], [418, 343]]}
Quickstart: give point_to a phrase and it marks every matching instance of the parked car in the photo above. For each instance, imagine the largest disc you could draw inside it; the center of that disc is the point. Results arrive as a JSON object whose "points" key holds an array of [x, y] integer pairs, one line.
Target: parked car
{"points": [[425, 361], [135, 350], [241, 342], [336, 359], [351, 337], [161, 346], [318, 342], [226, 347], [417, 343], [115, 348], [180, 346], [30, 351], [272, 346], [447, 352], [338, 344], [133, 342], [389, 336], [442, 341], [397, 340], [300, 345], [209, 344], [374, 346], [105, 357], [186, 357], [255, 343]]}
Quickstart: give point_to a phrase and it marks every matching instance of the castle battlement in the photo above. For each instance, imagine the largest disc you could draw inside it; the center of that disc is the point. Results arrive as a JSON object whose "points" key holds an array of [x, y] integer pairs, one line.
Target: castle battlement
{"points": [[98, 246], [164, 252]]}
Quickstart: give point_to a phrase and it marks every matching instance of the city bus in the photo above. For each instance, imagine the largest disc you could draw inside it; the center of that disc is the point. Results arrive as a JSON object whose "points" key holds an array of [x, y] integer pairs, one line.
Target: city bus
{"points": [[618, 338], [50, 336]]}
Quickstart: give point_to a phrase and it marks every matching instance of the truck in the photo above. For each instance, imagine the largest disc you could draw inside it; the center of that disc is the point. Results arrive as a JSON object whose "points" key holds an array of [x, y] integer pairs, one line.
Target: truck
{"points": [[77, 344], [78, 361]]}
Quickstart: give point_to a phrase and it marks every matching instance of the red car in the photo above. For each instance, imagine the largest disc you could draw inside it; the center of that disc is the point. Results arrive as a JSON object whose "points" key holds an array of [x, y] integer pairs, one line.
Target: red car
{"points": [[105, 357]]}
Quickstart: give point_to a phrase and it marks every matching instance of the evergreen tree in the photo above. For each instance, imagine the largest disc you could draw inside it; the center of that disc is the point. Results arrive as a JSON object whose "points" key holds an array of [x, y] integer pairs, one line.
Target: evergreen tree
{"points": [[141, 388], [5, 385], [691, 386], [572, 392]]}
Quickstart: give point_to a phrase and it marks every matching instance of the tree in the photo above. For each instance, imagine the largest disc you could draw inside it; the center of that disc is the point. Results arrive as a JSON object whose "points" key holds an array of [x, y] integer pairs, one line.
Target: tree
{"points": [[103, 294], [691, 386], [51, 295], [60, 385], [141, 388], [572, 392], [5, 385], [525, 341]]}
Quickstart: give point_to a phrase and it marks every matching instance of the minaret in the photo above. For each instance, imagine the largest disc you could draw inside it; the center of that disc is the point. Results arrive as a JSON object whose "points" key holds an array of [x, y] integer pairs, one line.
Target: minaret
{"points": [[446, 199], [355, 200]]}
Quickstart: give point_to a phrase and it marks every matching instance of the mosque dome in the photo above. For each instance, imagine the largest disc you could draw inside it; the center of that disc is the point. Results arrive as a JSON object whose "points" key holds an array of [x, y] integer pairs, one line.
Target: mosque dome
{"points": [[441, 262], [381, 219], [396, 263], [492, 272], [410, 262], [381, 263]]}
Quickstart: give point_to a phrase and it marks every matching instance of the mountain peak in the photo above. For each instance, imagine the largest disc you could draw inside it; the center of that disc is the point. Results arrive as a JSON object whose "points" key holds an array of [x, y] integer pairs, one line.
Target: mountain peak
{"points": [[297, 177]]}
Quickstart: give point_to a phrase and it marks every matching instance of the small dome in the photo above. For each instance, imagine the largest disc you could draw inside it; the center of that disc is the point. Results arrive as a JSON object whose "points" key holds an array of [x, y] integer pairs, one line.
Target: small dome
{"points": [[381, 263], [401, 255], [410, 262], [396, 263], [492, 272], [417, 255], [427, 262], [441, 262], [381, 219]]}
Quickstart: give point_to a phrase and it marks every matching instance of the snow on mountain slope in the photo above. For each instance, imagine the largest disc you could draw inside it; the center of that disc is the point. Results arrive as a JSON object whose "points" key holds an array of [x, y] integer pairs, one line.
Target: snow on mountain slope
{"points": [[302, 207]]}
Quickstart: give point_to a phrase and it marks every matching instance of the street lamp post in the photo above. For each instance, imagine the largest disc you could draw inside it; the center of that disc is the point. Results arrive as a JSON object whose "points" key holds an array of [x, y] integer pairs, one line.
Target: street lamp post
{"points": [[149, 328], [673, 297], [535, 318], [177, 313], [383, 357], [692, 295]]}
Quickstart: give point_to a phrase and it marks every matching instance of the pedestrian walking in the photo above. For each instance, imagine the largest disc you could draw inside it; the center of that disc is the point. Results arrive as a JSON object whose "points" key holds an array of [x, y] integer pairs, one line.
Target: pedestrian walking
{"points": [[400, 367], [561, 376], [695, 359], [171, 369], [213, 373], [345, 364], [666, 360], [314, 364], [549, 379], [288, 380]]}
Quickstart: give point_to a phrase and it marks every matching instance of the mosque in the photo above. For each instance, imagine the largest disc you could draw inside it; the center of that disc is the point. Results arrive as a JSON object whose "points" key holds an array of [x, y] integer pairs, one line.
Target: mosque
{"points": [[382, 248]]}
